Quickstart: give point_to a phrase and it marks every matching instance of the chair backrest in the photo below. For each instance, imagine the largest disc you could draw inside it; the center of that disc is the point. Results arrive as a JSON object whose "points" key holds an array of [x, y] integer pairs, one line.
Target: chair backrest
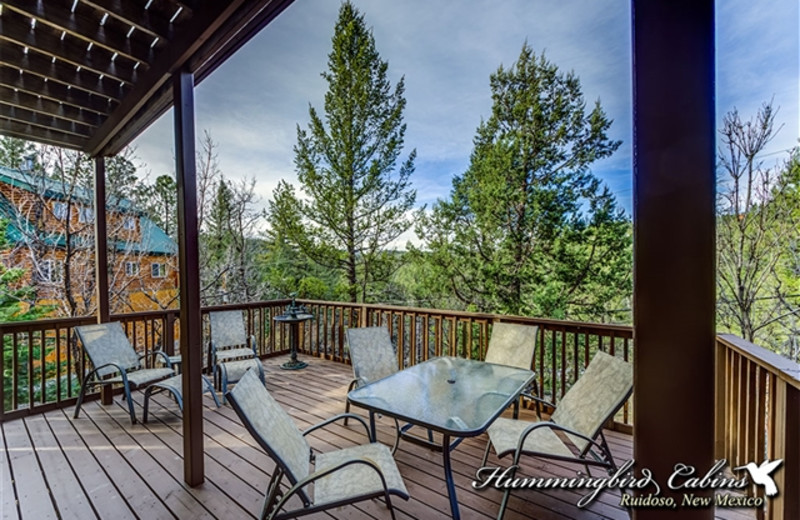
{"points": [[371, 353], [227, 329], [512, 344], [271, 426], [595, 397], [107, 343]]}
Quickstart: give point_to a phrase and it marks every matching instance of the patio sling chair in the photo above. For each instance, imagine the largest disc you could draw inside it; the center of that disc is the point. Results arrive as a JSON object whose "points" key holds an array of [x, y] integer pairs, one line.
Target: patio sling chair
{"points": [[231, 350], [514, 345], [174, 385], [579, 418], [114, 361], [341, 477], [373, 358]]}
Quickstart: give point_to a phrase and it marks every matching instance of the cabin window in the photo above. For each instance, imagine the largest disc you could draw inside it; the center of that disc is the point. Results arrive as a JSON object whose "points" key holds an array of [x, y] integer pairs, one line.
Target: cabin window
{"points": [[158, 270], [86, 215], [129, 223], [131, 268], [60, 210]]}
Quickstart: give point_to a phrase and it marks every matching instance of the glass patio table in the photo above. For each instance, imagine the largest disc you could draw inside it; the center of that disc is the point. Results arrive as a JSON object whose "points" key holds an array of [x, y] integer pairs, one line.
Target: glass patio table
{"points": [[455, 397]]}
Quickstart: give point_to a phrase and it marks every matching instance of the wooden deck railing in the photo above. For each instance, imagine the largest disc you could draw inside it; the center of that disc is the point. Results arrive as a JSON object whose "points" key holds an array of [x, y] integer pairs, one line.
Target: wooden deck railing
{"points": [[564, 348], [758, 417], [41, 366], [757, 391]]}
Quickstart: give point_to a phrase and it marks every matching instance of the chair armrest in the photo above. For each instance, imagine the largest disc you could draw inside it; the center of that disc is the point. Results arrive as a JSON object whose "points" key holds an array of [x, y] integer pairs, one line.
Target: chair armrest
{"points": [[158, 353], [319, 474], [538, 399], [553, 426], [95, 369], [338, 418], [251, 339]]}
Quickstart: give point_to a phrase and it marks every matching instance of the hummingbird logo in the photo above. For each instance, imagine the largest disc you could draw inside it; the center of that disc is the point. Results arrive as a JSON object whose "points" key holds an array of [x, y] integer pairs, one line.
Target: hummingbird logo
{"points": [[761, 474]]}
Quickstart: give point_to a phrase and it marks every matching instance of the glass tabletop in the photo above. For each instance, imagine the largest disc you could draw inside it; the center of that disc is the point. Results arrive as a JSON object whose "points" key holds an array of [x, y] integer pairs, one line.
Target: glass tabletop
{"points": [[460, 397]]}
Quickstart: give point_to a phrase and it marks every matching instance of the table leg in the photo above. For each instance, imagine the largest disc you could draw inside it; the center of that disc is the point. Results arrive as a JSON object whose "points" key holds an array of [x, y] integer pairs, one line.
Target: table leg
{"points": [[448, 477], [294, 340], [372, 431]]}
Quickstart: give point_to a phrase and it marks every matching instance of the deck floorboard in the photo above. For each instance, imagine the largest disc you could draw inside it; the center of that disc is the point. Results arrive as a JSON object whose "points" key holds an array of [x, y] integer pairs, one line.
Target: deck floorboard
{"points": [[101, 466]]}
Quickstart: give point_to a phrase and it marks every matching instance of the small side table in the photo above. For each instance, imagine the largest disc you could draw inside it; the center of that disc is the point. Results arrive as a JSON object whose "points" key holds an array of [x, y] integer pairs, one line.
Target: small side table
{"points": [[293, 320]]}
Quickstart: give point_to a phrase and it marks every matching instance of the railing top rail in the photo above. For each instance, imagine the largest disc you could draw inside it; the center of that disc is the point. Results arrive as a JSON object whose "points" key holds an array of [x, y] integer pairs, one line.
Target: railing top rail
{"points": [[624, 330], [142, 315], [248, 305], [786, 369], [10, 327]]}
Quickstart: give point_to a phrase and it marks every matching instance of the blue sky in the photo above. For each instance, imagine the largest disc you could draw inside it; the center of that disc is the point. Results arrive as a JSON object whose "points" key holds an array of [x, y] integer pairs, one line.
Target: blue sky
{"points": [[446, 50]]}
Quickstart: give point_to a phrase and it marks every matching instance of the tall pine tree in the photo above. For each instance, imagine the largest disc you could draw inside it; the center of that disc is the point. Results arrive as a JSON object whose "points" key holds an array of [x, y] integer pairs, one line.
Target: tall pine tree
{"points": [[355, 204], [528, 229]]}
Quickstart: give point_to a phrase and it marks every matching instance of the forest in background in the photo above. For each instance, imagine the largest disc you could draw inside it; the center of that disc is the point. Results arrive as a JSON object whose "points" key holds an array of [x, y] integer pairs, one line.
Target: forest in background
{"points": [[527, 229]]}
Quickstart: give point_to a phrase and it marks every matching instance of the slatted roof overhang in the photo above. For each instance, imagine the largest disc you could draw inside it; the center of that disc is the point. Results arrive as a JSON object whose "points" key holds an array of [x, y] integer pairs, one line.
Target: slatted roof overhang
{"points": [[93, 74]]}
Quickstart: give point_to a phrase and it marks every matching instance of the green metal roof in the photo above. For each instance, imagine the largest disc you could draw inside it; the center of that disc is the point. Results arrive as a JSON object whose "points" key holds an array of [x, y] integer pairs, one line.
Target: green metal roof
{"points": [[153, 239]]}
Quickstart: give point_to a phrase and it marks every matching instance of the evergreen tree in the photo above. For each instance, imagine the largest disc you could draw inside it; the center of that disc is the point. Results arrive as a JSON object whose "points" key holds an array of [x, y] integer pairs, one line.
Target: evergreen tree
{"points": [[528, 229], [219, 236], [14, 150], [354, 206]]}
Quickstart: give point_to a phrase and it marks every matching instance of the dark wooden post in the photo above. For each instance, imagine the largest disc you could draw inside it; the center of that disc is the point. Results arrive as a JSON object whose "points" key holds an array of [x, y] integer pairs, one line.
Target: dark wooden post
{"points": [[674, 240], [188, 252], [101, 253]]}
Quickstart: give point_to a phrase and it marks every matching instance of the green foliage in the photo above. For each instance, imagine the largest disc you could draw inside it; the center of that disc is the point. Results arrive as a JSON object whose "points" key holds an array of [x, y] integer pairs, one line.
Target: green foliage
{"points": [[14, 150], [15, 305], [219, 235], [160, 201], [354, 206], [757, 236], [527, 228]]}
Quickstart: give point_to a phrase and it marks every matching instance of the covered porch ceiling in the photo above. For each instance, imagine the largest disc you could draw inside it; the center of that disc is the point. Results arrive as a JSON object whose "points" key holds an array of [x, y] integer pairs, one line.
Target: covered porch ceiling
{"points": [[91, 75]]}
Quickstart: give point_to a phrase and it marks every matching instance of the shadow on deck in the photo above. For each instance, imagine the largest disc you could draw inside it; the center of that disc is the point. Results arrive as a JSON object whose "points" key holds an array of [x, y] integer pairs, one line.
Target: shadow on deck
{"points": [[99, 466]]}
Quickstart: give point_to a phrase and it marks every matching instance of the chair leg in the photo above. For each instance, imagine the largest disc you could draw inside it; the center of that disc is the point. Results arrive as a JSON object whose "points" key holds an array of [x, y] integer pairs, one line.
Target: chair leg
{"points": [[128, 398], [389, 504], [350, 387], [210, 389], [538, 404], [486, 453], [272, 493], [146, 405], [223, 382], [80, 399], [503, 504]]}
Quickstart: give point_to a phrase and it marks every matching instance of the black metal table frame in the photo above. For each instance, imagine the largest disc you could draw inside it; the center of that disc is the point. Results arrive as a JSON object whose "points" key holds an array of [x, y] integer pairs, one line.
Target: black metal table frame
{"points": [[446, 445]]}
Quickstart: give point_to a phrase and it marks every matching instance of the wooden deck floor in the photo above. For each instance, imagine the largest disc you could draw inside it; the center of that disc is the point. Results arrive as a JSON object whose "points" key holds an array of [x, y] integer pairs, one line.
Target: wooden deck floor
{"points": [[100, 466]]}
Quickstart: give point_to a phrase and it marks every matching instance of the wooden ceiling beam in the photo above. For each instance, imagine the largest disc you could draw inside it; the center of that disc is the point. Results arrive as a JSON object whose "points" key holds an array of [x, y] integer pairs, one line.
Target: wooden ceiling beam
{"points": [[53, 90], [79, 24], [48, 107], [237, 30], [26, 116], [189, 37], [42, 135], [13, 56], [16, 28], [135, 15]]}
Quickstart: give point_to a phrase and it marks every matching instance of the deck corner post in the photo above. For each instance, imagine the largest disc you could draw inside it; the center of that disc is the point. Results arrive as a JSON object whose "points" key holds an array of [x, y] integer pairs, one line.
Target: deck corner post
{"points": [[191, 333], [101, 255], [674, 241]]}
